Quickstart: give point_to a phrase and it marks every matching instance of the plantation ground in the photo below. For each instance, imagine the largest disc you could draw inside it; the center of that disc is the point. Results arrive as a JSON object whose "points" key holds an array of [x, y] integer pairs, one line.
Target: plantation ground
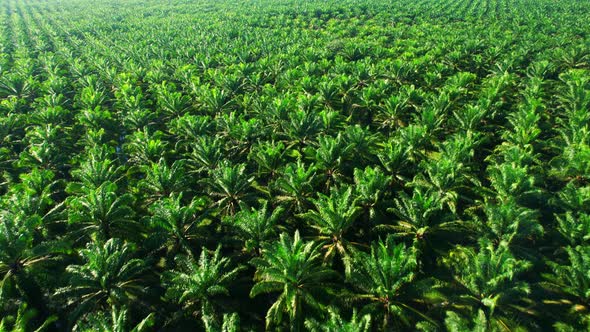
{"points": [[295, 165]]}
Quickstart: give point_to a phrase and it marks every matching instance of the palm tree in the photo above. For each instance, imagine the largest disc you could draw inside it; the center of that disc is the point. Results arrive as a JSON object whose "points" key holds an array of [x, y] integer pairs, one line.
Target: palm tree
{"points": [[571, 284], [386, 278], [102, 213], [195, 285], [117, 322], [300, 128], [174, 225], [296, 185], [293, 268], [336, 323], [25, 321], [207, 153], [96, 169], [477, 323], [109, 276], [22, 255], [329, 156], [162, 180], [487, 279], [574, 229], [422, 220], [333, 216], [229, 323], [230, 185], [255, 226], [511, 223], [370, 186], [268, 157], [144, 147]]}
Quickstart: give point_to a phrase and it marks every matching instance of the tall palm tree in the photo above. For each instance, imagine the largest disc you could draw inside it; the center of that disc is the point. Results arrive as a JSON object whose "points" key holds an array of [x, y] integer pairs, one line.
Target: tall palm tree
{"points": [[292, 267], [333, 216], [196, 284], [386, 279]]}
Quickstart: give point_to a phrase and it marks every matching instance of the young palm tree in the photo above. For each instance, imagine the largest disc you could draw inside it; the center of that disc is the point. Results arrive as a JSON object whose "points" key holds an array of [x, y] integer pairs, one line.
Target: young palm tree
{"points": [[487, 280], [293, 268], [336, 323], [196, 284], [386, 278], [333, 216], [109, 276]]}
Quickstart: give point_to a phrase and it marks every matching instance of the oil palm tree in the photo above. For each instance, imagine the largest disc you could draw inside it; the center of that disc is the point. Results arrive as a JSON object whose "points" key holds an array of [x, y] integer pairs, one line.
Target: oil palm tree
{"points": [[487, 279], [370, 187], [174, 225], [229, 185], [102, 213], [422, 220], [196, 285], [25, 321], [476, 323], [295, 186], [570, 283], [293, 268], [333, 216], [162, 180], [95, 169], [117, 321], [336, 323], [22, 257], [109, 275], [255, 226], [385, 279]]}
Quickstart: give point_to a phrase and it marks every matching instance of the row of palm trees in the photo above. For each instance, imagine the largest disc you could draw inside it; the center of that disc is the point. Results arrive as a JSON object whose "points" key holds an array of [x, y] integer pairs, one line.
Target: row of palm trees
{"points": [[309, 171]]}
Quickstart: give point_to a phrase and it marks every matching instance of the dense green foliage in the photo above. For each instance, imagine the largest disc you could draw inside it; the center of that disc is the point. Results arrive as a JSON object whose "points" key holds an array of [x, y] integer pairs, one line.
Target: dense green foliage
{"points": [[295, 165]]}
